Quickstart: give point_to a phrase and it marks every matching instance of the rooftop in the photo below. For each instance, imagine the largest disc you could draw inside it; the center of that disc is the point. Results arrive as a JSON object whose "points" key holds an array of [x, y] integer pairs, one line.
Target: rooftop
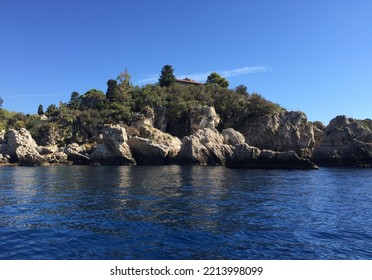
{"points": [[189, 82]]}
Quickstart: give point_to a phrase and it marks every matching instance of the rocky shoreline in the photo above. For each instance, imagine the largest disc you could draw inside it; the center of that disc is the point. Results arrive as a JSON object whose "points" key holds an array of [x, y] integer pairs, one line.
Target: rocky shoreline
{"points": [[282, 140]]}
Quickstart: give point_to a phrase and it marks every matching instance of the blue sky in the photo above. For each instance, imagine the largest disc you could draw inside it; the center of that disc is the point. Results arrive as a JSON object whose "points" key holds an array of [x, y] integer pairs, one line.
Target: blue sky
{"points": [[314, 56]]}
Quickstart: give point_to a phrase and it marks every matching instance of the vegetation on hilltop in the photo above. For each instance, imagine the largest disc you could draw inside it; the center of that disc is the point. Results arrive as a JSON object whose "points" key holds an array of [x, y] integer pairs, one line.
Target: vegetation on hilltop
{"points": [[79, 119]]}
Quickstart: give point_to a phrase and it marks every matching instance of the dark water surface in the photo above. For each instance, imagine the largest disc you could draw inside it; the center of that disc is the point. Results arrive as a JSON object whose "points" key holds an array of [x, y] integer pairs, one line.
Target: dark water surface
{"points": [[184, 212]]}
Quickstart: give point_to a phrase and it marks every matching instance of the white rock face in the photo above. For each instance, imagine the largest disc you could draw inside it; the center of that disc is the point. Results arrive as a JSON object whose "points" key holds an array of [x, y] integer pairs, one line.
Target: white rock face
{"points": [[205, 117], [345, 141], [232, 137], [22, 147], [282, 132], [205, 146], [153, 146], [246, 156], [114, 149]]}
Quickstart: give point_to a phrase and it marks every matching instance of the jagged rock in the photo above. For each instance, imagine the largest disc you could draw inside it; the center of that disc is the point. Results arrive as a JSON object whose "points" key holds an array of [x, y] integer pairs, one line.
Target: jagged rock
{"points": [[146, 117], [76, 154], [345, 142], [246, 156], [232, 137], [22, 148], [204, 147], [282, 131], [205, 117], [53, 154], [146, 151], [114, 149], [153, 146]]}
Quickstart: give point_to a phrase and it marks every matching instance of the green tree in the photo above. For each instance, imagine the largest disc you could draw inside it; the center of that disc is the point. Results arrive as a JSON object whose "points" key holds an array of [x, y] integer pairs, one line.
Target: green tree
{"points": [[1, 103], [112, 92], [75, 100], [51, 110], [40, 110], [118, 90], [166, 77], [93, 100], [215, 78], [241, 89]]}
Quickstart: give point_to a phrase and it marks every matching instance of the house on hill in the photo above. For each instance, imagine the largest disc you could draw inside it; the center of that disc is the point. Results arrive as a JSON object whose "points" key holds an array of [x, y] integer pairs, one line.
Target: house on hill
{"points": [[188, 82]]}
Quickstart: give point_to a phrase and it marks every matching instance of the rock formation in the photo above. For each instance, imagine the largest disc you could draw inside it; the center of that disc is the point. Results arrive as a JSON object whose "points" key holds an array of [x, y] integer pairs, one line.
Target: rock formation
{"points": [[22, 148], [281, 140], [246, 156], [281, 132], [153, 146], [205, 117], [345, 142], [114, 149], [232, 137], [205, 147]]}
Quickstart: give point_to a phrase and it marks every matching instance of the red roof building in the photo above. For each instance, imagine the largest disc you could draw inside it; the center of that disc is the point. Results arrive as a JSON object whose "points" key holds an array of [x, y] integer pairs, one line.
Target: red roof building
{"points": [[187, 82]]}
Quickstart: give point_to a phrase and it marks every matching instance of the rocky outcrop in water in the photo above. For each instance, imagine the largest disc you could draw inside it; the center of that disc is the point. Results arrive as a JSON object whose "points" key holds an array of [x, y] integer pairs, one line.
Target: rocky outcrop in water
{"points": [[345, 142], [114, 149], [76, 154], [281, 132], [282, 140], [22, 148], [246, 156], [232, 137], [153, 146], [205, 147]]}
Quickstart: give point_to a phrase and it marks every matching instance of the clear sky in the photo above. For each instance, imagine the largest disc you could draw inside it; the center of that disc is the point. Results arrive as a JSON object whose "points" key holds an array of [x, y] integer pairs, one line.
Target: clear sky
{"points": [[314, 56]]}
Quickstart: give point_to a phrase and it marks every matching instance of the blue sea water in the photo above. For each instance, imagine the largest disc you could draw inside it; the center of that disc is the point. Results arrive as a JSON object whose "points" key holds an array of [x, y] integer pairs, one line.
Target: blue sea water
{"points": [[184, 212]]}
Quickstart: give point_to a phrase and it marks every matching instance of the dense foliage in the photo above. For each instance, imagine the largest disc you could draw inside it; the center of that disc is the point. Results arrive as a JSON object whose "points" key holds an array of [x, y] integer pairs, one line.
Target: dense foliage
{"points": [[80, 119]]}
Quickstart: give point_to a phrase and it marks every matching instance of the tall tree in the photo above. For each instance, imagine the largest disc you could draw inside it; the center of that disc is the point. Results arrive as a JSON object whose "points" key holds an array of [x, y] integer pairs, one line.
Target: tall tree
{"points": [[75, 100], [166, 77], [112, 92], [215, 78], [40, 110]]}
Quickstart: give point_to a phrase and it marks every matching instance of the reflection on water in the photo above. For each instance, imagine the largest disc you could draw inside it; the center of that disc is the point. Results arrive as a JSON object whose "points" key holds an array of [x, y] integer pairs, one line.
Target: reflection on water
{"points": [[184, 212]]}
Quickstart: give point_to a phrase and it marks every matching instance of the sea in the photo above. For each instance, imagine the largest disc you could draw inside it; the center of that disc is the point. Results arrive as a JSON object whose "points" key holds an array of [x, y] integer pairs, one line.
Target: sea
{"points": [[184, 212]]}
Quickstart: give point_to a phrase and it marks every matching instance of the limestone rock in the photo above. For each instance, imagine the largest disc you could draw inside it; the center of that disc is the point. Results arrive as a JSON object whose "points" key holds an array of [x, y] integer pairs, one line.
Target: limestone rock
{"points": [[205, 147], [114, 149], [22, 148], [205, 117], [53, 154], [146, 151], [153, 146], [246, 156], [282, 131], [232, 137], [345, 142], [146, 117], [76, 154]]}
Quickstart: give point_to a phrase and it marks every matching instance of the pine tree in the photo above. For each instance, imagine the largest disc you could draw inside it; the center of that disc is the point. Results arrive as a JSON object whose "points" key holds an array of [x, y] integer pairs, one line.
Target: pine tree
{"points": [[215, 78], [166, 77], [40, 110]]}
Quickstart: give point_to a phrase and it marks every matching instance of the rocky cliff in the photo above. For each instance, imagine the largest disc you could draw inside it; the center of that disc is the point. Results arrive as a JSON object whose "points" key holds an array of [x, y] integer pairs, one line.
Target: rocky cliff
{"points": [[281, 132], [345, 142], [280, 140]]}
